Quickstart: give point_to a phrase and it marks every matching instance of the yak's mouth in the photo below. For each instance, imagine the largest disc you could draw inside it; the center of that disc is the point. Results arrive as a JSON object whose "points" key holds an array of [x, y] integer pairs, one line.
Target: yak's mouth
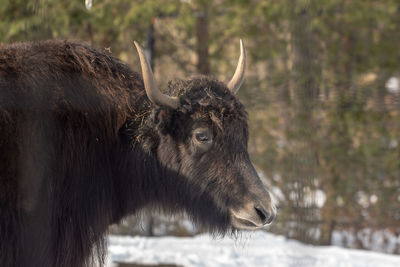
{"points": [[244, 224], [253, 219]]}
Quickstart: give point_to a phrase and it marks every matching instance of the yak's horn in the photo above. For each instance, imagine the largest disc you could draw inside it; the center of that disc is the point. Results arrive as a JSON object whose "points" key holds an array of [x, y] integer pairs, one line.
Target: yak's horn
{"points": [[238, 77], [152, 91]]}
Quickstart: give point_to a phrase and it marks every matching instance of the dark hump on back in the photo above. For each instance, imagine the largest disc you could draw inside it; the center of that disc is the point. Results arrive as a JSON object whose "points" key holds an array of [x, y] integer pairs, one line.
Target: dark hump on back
{"points": [[69, 76]]}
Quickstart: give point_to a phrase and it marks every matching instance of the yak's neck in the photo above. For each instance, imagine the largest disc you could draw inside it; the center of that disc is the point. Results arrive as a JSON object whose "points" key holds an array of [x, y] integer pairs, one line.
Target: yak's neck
{"points": [[149, 184], [134, 176]]}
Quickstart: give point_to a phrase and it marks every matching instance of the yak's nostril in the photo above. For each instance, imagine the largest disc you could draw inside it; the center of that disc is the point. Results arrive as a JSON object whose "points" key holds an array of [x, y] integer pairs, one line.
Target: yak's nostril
{"points": [[264, 215], [271, 218]]}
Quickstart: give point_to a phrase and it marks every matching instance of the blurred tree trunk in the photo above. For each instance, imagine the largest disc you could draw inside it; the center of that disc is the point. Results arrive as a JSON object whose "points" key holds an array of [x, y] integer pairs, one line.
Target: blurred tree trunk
{"points": [[202, 37], [302, 159], [89, 30], [337, 162]]}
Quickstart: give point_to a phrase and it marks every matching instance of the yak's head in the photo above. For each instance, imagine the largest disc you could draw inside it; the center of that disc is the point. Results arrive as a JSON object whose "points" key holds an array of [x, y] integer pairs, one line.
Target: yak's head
{"points": [[201, 143]]}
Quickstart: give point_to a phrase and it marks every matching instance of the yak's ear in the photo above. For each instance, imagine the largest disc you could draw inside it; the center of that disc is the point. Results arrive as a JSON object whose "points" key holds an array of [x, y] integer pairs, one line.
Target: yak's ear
{"points": [[162, 119]]}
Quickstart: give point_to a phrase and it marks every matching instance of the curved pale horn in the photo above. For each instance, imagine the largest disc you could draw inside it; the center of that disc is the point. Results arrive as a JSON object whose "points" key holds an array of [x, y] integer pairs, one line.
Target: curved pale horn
{"points": [[238, 77], [152, 91]]}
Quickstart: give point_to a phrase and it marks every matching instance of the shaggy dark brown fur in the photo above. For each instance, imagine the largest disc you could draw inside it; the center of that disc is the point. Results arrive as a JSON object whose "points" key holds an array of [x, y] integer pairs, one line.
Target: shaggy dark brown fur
{"points": [[81, 147]]}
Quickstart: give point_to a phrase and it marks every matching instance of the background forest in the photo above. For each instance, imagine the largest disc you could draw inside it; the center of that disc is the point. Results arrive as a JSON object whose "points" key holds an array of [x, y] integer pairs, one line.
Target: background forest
{"points": [[322, 91]]}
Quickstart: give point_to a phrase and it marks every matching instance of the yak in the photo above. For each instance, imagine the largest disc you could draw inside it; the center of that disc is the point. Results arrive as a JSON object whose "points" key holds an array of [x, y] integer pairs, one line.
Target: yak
{"points": [[86, 141]]}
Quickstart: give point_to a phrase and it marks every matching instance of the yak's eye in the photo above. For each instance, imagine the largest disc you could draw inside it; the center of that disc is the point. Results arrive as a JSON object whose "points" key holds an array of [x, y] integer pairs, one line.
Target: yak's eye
{"points": [[203, 136]]}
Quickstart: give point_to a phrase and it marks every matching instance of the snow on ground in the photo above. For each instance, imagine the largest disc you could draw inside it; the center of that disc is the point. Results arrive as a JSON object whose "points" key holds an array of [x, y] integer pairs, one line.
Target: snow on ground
{"points": [[256, 249]]}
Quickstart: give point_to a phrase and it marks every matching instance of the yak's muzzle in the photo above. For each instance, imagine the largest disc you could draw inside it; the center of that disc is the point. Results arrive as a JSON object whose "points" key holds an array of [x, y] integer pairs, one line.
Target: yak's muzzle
{"points": [[253, 216]]}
